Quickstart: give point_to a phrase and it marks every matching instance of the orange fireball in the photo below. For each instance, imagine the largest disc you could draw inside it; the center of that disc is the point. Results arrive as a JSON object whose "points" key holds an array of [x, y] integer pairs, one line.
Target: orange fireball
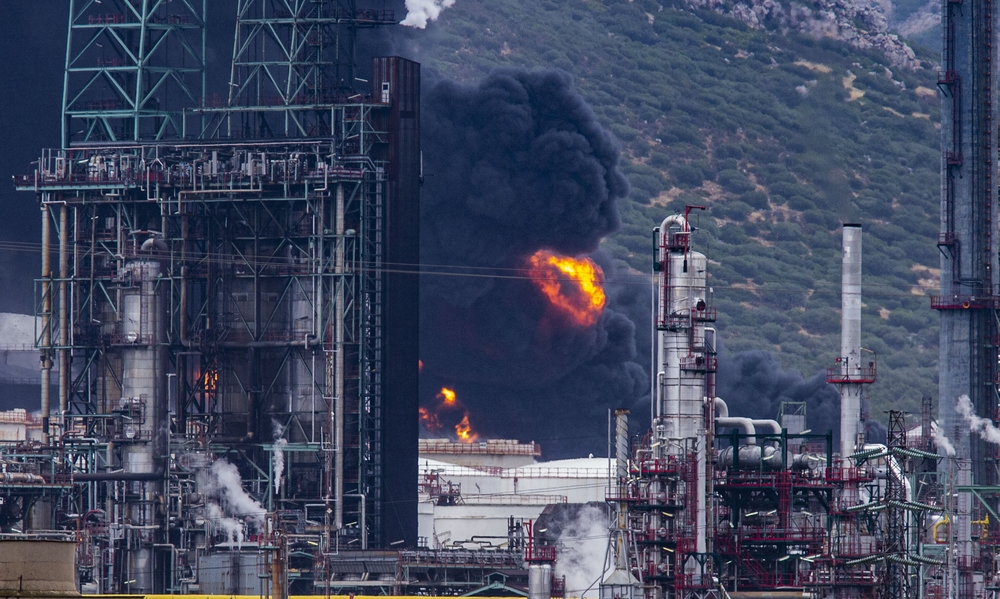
{"points": [[446, 409], [572, 285]]}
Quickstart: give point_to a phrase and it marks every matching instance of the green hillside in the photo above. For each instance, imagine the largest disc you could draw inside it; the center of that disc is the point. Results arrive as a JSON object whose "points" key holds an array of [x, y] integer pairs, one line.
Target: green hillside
{"points": [[783, 137]]}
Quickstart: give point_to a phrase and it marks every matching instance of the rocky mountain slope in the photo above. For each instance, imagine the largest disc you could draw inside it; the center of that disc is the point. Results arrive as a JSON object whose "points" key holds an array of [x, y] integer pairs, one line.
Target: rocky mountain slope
{"points": [[782, 132]]}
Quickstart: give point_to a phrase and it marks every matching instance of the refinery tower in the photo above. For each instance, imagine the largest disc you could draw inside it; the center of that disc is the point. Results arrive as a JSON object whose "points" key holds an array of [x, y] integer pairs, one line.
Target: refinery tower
{"points": [[228, 286]]}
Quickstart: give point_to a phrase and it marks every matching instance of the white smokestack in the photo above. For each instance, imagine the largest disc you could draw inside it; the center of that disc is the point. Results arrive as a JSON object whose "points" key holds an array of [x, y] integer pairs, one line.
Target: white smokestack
{"points": [[850, 340], [420, 12]]}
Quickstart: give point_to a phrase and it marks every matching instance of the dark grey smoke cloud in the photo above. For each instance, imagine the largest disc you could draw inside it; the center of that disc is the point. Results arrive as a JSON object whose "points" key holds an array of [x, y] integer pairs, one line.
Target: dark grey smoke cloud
{"points": [[753, 385], [517, 164]]}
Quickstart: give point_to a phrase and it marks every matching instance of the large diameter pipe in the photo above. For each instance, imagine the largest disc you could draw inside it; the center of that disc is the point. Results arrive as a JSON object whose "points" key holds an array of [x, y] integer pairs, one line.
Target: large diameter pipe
{"points": [[339, 268], [46, 353], [63, 309], [744, 423], [850, 339]]}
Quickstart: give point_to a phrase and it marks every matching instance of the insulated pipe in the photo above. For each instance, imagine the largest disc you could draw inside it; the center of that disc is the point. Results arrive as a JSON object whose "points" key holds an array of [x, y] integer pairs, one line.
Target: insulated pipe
{"points": [[21, 477], [761, 424], [721, 409], [752, 457], [63, 308], [895, 470], [668, 396], [850, 340], [744, 423], [339, 357], [119, 475], [46, 353]]}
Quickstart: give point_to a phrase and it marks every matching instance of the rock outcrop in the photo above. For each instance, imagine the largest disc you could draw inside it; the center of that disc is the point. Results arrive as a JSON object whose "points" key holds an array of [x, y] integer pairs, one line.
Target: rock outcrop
{"points": [[861, 25]]}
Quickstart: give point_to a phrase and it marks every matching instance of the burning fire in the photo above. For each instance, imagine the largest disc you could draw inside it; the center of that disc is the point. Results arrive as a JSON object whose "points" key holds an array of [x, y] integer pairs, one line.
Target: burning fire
{"points": [[573, 285], [464, 430], [446, 408]]}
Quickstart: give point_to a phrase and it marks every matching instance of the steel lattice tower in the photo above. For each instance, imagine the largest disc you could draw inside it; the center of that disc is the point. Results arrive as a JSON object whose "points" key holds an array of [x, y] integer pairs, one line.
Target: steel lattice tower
{"points": [[223, 277], [132, 66], [969, 299]]}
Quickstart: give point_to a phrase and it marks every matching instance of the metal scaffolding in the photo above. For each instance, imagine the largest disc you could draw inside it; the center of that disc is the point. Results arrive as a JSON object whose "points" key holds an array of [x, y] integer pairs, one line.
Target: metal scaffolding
{"points": [[215, 290]]}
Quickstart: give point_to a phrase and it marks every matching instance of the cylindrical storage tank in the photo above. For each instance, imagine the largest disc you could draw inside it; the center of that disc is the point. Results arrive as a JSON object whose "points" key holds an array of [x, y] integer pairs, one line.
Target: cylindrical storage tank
{"points": [[38, 568], [539, 581]]}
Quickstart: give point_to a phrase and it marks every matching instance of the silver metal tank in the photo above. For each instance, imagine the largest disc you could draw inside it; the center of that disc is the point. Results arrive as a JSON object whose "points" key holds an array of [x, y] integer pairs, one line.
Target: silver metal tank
{"points": [[539, 581], [143, 404]]}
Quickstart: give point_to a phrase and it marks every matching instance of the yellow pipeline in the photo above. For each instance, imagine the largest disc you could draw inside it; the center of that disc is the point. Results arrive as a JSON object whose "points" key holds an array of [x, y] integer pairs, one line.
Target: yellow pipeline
{"points": [[985, 523], [934, 530]]}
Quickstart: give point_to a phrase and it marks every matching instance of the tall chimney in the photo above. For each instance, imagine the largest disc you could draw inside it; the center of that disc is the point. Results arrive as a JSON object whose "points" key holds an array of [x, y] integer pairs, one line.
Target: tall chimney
{"points": [[851, 368]]}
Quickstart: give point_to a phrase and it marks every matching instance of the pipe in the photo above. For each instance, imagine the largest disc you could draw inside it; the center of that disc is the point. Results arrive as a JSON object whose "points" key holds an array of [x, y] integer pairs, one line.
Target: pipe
{"points": [[63, 309], [46, 349], [339, 357], [894, 468], [722, 410], [363, 517], [744, 423], [119, 475], [673, 219], [752, 457], [766, 423], [21, 477]]}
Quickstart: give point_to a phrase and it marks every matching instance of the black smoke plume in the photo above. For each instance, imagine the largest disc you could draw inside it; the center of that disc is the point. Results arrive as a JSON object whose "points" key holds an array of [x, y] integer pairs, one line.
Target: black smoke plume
{"points": [[517, 164], [753, 385]]}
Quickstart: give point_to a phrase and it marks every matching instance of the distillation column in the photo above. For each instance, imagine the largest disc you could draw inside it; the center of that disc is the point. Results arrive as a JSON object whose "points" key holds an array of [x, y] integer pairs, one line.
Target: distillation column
{"points": [[686, 362], [143, 408]]}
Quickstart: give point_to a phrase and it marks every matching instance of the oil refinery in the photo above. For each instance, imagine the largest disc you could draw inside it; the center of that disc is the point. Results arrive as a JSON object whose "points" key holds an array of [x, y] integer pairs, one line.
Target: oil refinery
{"points": [[229, 366]]}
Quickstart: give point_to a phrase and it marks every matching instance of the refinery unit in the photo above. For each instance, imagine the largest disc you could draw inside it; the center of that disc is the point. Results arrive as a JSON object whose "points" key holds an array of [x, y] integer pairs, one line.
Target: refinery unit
{"points": [[229, 371]]}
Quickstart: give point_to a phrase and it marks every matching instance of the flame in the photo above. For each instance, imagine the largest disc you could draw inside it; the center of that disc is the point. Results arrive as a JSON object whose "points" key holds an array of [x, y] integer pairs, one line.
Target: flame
{"points": [[446, 409], [447, 395], [572, 285], [430, 420], [464, 430], [210, 381]]}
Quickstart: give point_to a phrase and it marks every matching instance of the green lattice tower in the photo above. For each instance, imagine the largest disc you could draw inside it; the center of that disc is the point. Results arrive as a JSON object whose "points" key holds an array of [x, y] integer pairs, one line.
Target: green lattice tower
{"points": [[132, 67]]}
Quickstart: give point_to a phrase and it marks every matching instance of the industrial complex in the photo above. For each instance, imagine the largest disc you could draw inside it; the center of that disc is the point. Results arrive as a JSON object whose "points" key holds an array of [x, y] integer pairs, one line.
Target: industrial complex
{"points": [[229, 367]]}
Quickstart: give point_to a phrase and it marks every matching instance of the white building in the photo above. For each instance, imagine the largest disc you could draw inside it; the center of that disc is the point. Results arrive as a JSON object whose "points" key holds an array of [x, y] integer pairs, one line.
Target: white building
{"points": [[468, 502]]}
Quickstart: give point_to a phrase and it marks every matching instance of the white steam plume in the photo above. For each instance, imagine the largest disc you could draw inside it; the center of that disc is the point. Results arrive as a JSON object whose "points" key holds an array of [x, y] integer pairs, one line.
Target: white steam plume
{"points": [[941, 440], [583, 547], [231, 526], [420, 12], [982, 426], [278, 457], [223, 480]]}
